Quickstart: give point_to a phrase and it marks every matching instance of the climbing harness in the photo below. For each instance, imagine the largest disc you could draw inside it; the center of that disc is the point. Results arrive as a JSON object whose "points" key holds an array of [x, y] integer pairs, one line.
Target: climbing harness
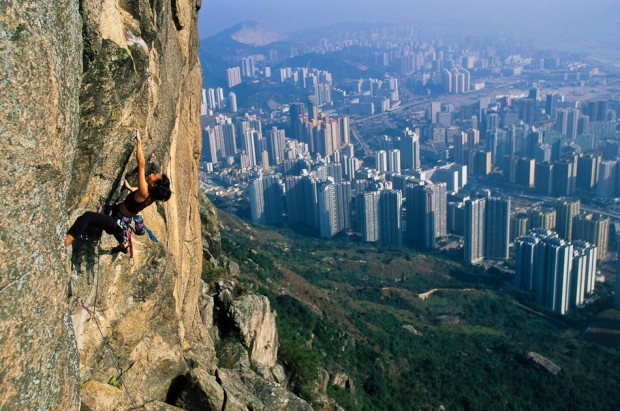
{"points": [[138, 224], [139, 227], [94, 236], [124, 223]]}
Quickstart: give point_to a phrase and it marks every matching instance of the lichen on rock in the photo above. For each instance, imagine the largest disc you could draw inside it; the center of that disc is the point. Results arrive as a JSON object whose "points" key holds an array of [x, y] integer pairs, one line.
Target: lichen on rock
{"points": [[39, 97]]}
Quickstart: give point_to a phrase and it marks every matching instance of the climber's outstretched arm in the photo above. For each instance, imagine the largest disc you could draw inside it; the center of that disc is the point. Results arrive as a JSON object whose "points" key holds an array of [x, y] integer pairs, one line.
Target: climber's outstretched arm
{"points": [[143, 188]]}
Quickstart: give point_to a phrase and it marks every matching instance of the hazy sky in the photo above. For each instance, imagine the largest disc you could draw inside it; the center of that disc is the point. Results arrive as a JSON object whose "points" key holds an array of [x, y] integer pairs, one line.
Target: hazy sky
{"points": [[573, 20]]}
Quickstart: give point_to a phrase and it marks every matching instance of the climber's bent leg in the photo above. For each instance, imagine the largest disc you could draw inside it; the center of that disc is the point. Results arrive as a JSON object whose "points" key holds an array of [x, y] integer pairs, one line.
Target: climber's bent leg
{"points": [[98, 220]]}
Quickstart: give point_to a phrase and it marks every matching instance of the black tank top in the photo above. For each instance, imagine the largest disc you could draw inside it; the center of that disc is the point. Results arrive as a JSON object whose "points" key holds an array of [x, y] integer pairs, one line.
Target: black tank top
{"points": [[133, 206]]}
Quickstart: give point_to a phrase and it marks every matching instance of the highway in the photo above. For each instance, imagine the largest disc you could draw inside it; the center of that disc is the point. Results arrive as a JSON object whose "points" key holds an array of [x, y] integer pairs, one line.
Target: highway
{"points": [[361, 143], [536, 198], [421, 102]]}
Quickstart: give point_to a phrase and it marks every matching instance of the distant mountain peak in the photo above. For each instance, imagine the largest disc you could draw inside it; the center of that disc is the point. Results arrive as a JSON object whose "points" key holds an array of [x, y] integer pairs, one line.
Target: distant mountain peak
{"points": [[252, 33]]}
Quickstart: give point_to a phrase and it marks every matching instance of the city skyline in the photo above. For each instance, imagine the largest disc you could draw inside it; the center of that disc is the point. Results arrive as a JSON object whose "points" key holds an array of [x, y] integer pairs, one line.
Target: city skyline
{"points": [[571, 26], [399, 136]]}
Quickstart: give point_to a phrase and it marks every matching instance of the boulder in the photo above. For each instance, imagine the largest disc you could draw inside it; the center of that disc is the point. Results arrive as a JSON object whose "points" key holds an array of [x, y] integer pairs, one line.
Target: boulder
{"points": [[233, 355], [251, 391], [238, 395], [256, 322], [97, 396], [206, 305], [233, 268], [342, 381], [160, 406], [211, 241], [279, 375], [542, 363], [412, 330]]}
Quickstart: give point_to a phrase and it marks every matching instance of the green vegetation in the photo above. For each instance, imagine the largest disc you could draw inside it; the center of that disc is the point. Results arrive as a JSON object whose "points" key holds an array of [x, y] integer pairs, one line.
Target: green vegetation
{"points": [[114, 382], [211, 274], [354, 308]]}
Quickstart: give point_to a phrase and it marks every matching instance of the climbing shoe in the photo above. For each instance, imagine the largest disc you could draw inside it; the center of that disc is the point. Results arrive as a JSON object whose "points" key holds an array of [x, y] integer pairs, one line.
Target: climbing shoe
{"points": [[120, 248]]}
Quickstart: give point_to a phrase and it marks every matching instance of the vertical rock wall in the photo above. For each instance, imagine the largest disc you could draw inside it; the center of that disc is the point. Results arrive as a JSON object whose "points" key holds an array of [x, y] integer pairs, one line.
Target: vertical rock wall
{"points": [[39, 120], [141, 70], [77, 78]]}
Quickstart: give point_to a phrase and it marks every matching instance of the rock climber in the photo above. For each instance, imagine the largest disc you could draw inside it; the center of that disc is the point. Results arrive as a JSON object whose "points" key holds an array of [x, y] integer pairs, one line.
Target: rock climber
{"points": [[151, 188]]}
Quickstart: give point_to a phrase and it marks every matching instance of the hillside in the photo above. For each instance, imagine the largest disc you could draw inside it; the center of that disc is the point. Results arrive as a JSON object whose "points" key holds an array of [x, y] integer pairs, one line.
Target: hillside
{"points": [[226, 49], [359, 321]]}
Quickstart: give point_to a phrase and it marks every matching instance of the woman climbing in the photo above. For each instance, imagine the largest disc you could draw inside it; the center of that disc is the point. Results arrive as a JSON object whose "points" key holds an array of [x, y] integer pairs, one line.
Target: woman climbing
{"points": [[150, 188]]}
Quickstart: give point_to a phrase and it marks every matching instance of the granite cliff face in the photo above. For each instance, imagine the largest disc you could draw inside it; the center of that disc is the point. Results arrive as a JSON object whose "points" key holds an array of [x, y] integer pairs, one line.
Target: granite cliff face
{"points": [[39, 127], [78, 77]]}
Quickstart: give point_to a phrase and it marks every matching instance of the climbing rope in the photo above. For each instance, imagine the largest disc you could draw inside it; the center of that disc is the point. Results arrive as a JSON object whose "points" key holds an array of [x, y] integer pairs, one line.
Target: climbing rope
{"points": [[113, 358], [131, 260], [97, 274], [92, 313]]}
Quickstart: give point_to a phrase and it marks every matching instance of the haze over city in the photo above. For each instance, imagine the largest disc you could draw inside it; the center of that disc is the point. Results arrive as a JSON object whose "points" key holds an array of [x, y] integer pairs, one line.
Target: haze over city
{"points": [[440, 179], [571, 24]]}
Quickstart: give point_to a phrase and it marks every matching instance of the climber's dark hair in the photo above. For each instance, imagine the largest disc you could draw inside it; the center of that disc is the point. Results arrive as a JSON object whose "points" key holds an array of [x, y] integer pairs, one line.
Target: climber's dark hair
{"points": [[162, 191]]}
